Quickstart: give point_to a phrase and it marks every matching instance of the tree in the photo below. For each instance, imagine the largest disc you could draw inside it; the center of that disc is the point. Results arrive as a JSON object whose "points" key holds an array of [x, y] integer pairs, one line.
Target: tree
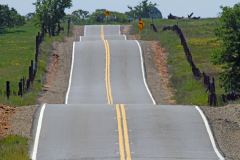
{"points": [[79, 15], [50, 13], [228, 56], [98, 16], [29, 16], [10, 17], [145, 10]]}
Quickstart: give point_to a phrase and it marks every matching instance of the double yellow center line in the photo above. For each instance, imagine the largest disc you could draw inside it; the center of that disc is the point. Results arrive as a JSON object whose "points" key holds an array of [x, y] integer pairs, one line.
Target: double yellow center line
{"points": [[107, 73], [124, 147], [123, 138], [107, 68]]}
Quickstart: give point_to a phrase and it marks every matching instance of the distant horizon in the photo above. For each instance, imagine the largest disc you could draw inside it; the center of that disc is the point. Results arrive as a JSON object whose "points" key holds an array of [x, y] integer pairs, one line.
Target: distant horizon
{"points": [[204, 8]]}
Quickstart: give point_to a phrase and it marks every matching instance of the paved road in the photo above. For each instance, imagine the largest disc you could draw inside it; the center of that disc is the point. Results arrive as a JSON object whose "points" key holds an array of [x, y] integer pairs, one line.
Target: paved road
{"points": [[110, 114]]}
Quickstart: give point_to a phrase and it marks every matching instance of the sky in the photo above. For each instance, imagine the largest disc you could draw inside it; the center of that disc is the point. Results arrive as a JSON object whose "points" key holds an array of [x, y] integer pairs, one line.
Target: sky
{"points": [[203, 8]]}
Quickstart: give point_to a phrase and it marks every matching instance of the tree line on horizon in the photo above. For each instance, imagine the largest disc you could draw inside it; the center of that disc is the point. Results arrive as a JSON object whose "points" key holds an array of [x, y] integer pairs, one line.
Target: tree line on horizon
{"points": [[49, 15], [145, 9], [9, 17]]}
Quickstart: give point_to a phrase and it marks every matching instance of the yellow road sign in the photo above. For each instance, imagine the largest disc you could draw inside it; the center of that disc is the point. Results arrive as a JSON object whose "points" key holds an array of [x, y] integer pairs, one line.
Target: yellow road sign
{"points": [[107, 13], [140, 25]]}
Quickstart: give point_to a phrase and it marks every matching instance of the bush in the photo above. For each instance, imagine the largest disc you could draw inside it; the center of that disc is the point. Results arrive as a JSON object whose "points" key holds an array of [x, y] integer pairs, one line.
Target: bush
{"points": [[10, 17], [229, 53]]}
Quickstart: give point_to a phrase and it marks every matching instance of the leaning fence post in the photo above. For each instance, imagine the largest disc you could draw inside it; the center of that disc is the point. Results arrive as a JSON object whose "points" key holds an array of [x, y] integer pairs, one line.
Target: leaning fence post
{"points": [[24, 84], [31, 70], [30, 73], [35, 69], [154, 28], [8, 89], [37, 44], [69, 22], [28, 84], [20, 88]]}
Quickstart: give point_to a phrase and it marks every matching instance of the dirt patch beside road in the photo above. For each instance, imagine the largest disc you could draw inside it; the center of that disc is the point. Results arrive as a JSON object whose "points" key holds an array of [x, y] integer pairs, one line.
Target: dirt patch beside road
{"points": [[5, 113], [16, 121], [157, 74], [21, 121]]}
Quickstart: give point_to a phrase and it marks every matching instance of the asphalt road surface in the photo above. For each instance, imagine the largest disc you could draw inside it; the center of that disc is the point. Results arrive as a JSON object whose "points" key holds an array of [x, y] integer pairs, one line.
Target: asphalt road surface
{"points": [[110, 113]]}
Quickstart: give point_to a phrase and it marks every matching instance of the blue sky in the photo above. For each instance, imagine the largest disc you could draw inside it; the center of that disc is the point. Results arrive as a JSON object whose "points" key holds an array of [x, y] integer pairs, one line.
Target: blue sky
{"points": [[203, 8]]}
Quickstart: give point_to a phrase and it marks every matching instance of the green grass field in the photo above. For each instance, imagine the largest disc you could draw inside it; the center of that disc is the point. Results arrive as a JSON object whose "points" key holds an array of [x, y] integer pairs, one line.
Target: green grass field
{"points": [[202, 43], [17, 48], [14, 148]]}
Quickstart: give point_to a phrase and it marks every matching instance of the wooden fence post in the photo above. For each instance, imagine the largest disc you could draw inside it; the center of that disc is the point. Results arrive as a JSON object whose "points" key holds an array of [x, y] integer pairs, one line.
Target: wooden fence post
{"points": [[69, 22], [30, 73], [24, 84], [212, 97], [154, 28], [196, 72], [20, 88], [8, 89], [28, 84], [37, 44]]}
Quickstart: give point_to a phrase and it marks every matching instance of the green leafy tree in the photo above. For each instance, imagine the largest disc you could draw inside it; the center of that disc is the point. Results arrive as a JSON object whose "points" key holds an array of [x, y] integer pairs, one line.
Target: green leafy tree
{"points": [[50, 13], [145, 10], [98, 16], [29, 16], [79, 16], [119, 17], [10, 17], [229, 54]]}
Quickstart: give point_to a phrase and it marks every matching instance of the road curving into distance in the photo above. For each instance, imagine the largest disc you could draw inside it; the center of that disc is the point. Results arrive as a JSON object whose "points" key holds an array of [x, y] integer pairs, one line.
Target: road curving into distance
{"points": [[110, 113]]}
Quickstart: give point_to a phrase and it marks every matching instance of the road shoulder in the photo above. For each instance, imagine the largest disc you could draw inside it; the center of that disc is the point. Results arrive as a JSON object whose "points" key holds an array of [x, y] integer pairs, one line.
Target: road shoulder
{"points": [[58, 72], [225, 123]]}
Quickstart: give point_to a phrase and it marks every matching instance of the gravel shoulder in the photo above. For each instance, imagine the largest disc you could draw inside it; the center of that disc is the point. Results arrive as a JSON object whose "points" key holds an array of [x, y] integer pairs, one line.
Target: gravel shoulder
{"points": [[225, 123], [157, 75], [21, 121], [57, 77]]}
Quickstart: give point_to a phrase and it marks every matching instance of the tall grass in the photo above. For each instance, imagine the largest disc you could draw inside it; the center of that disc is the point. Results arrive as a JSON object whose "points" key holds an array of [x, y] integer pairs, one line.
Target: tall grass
{"points": [[14, 148]]}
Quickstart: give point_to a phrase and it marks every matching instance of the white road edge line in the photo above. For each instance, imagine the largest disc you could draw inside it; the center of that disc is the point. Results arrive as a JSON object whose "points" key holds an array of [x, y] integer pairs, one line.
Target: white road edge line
{"points": [[119, 30], [39, 126], [71, 72], [125, 36], [143, 72], [84, 32], [210, 133], [120, 33]]}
